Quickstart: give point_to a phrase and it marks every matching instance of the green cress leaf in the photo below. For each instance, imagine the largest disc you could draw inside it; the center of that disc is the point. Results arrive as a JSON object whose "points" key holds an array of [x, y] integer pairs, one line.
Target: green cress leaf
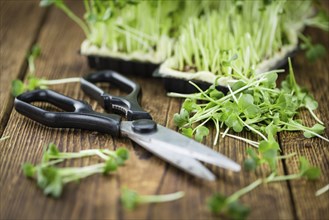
{"points": [[200, 133], [107, 15], [237, 85], [35, 51], [189, 105], [317, 128], [129, 198], [55, 184], [245, 100], [182, 118], [307, 171], [215, 94], [270, 80], [52, 150], [46, 3], [91, 18], [188, 132], [17, 87], [303, 164], [270, 156], [33, 82], [310, 102], [216, 203], [312, 173], [123, 153], [110, 165], [315, 52], [237, 211], [250, 164], [281, 101], [247, 106], [233, 121], [29, 169]]}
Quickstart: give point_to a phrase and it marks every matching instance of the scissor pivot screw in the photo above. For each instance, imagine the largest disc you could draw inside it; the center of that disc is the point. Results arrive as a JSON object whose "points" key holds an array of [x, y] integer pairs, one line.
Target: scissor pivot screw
{"points": [[144, 126]]}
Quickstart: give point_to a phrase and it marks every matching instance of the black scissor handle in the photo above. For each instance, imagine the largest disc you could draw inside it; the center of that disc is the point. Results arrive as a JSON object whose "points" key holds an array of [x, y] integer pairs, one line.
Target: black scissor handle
{"points": [[127, 105], [78, 114]]}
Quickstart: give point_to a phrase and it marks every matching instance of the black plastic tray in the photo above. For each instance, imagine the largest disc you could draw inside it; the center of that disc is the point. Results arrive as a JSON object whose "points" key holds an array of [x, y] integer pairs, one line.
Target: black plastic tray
{"points": [[131, 67], [172, 84]]}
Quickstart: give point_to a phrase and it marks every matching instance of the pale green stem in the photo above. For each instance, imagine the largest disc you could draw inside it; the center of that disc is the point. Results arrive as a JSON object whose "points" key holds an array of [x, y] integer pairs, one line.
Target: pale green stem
{"points": [[252, 143], [225, 132], [303, 129], [283, 178], [314, 116], [322, 190], [138, 39], [216, 122], [31, 64], [204, 122], [160, 198], [4, 138], [53, 162], [231, 92], [286, 156], [235, 196], [254, 130], [75, 18], [59, 81], [78, 170]]}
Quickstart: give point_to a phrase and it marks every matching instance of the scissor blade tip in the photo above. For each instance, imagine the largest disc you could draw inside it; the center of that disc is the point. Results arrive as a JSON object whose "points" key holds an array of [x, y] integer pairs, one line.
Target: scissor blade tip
{"points": [[209, 177], [236, 168]]}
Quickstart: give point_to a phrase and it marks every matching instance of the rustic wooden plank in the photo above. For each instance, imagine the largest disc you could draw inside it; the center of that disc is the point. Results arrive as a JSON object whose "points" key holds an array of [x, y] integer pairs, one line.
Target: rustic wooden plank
{"points": [[59, 40], [313, 76], [20, 22], [97, 196]]}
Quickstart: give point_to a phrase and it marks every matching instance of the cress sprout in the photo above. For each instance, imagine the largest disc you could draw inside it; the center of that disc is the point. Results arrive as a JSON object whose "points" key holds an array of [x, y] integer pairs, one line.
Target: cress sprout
{"points": [[33, 82], [253, 104], [51, 179]]}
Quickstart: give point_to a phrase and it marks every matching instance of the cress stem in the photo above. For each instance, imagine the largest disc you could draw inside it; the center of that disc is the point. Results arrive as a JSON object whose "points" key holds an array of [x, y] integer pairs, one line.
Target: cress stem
{"points": [[160, 198], [60, 81]]}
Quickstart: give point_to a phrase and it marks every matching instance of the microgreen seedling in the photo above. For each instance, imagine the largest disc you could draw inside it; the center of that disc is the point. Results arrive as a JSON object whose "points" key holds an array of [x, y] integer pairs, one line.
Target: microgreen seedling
{"points": [[131, 199], [33, 82], [52, 179], [230, 206], [254, 104]]}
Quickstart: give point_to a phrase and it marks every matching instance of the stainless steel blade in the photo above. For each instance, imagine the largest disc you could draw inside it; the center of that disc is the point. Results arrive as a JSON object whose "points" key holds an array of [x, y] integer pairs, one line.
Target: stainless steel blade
{"points": [[175, 142], [187, 164]]}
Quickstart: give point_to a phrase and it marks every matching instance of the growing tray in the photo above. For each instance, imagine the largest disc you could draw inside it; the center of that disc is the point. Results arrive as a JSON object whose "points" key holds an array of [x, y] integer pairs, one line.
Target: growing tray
{"points": [[179, 85], [131, 67]]}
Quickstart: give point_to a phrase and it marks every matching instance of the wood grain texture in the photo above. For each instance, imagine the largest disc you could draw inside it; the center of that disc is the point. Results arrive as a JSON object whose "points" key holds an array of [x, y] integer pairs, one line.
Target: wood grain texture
{"points": [[20, 22], [97, 197]]}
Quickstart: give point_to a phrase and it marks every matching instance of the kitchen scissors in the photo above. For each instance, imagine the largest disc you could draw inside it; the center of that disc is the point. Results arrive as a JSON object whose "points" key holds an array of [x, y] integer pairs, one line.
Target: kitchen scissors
{"points": [[167, 144]]}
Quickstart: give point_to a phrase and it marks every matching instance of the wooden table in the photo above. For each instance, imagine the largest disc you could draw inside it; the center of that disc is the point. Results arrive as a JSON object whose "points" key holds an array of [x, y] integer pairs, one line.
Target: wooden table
{"points": [[24, 23]]}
